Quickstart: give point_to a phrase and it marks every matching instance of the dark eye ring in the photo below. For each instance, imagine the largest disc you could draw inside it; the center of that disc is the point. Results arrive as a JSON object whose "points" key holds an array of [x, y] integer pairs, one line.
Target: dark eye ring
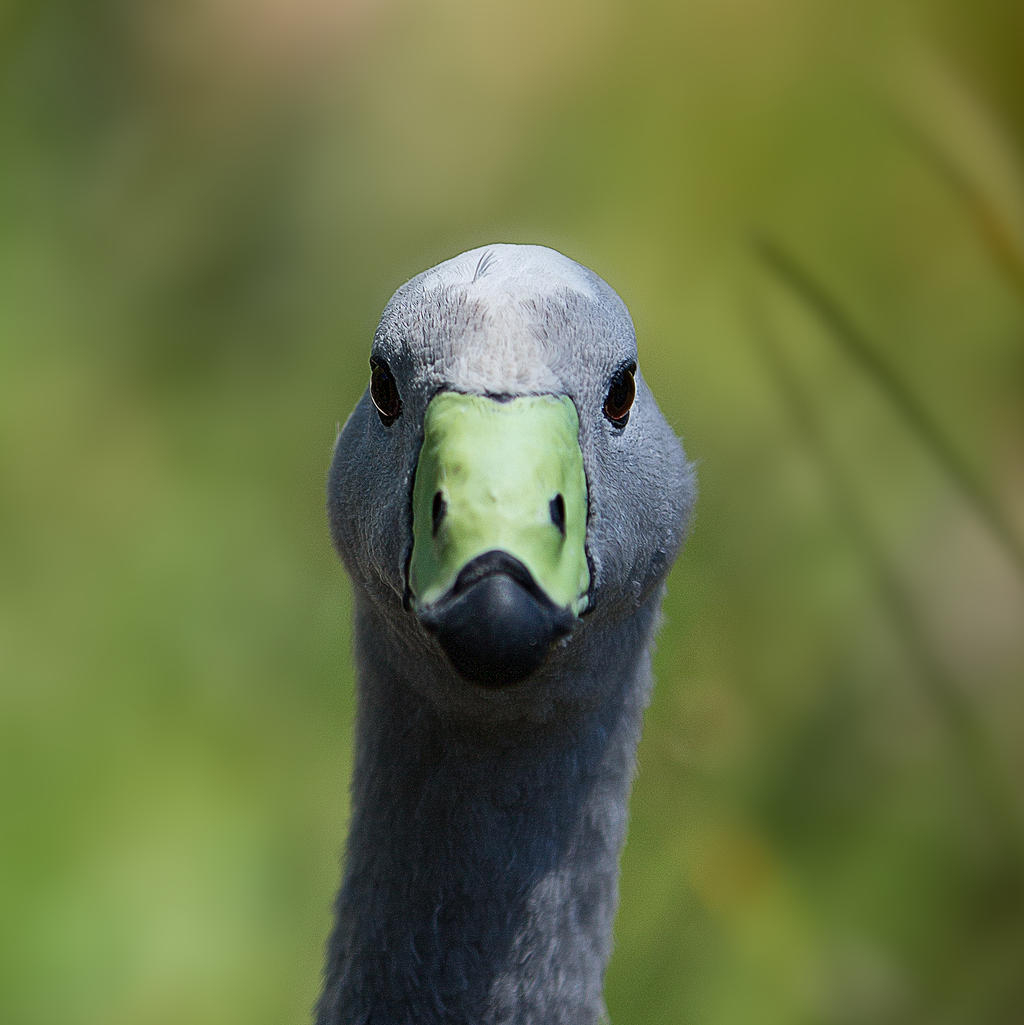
{"points": [[384, 392], [621, 393]]}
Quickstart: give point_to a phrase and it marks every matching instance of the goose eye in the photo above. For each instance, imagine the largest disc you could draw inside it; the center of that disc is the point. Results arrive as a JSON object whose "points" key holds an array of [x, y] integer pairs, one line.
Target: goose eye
{"points": [[384, 393], [621, 393]]}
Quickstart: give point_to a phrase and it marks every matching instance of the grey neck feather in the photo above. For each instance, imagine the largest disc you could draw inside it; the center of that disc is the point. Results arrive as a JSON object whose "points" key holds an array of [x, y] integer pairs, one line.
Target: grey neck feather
{"points": [[482, 862]]}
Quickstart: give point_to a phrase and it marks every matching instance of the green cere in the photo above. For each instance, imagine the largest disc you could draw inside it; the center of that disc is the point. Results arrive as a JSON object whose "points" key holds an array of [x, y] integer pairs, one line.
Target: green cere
{"points": [[501, 475]]}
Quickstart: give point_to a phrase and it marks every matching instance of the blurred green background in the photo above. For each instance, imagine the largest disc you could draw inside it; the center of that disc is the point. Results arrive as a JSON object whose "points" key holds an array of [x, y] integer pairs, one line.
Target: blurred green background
{"points": [[815, 212]]}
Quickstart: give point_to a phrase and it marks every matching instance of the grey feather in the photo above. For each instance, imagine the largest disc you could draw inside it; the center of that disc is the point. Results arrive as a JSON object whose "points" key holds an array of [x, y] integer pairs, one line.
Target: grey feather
{"points": [[481, 868]]}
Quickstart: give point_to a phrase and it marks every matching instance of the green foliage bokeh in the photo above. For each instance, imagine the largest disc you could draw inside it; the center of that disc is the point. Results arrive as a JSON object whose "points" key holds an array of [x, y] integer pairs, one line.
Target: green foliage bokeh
{"points": [[203, 209]]}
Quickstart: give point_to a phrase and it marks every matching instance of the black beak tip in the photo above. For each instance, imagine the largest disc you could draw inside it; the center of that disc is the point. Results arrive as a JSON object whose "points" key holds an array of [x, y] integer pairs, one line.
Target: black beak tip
{"points": [[496, 632]]}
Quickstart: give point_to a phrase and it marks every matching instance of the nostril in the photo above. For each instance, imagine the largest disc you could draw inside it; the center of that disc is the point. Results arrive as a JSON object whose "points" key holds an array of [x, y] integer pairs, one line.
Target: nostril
{"points": [[439, 508], [557, 508]]}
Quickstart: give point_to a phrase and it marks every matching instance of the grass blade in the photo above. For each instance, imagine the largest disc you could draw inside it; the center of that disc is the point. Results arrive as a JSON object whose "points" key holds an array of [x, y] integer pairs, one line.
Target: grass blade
{"points": [[992, 226], [855, 344], [976, 754]]}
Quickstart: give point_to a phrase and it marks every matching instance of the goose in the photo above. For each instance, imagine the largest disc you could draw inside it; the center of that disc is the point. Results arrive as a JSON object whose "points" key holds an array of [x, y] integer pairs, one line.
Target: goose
{"points": [[507, 499]]}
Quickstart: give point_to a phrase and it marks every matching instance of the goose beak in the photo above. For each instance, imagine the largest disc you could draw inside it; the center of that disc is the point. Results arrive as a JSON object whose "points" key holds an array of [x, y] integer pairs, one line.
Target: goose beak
{"points": [[498, 571]]}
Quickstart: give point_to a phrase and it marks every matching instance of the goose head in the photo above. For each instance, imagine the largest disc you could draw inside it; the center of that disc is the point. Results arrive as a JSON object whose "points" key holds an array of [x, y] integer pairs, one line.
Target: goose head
{"points": [[506, 492]]}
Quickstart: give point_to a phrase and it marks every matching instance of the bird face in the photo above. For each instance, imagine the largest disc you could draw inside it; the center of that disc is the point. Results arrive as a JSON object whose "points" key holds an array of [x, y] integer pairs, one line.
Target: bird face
{"points": [[507, 482]]}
